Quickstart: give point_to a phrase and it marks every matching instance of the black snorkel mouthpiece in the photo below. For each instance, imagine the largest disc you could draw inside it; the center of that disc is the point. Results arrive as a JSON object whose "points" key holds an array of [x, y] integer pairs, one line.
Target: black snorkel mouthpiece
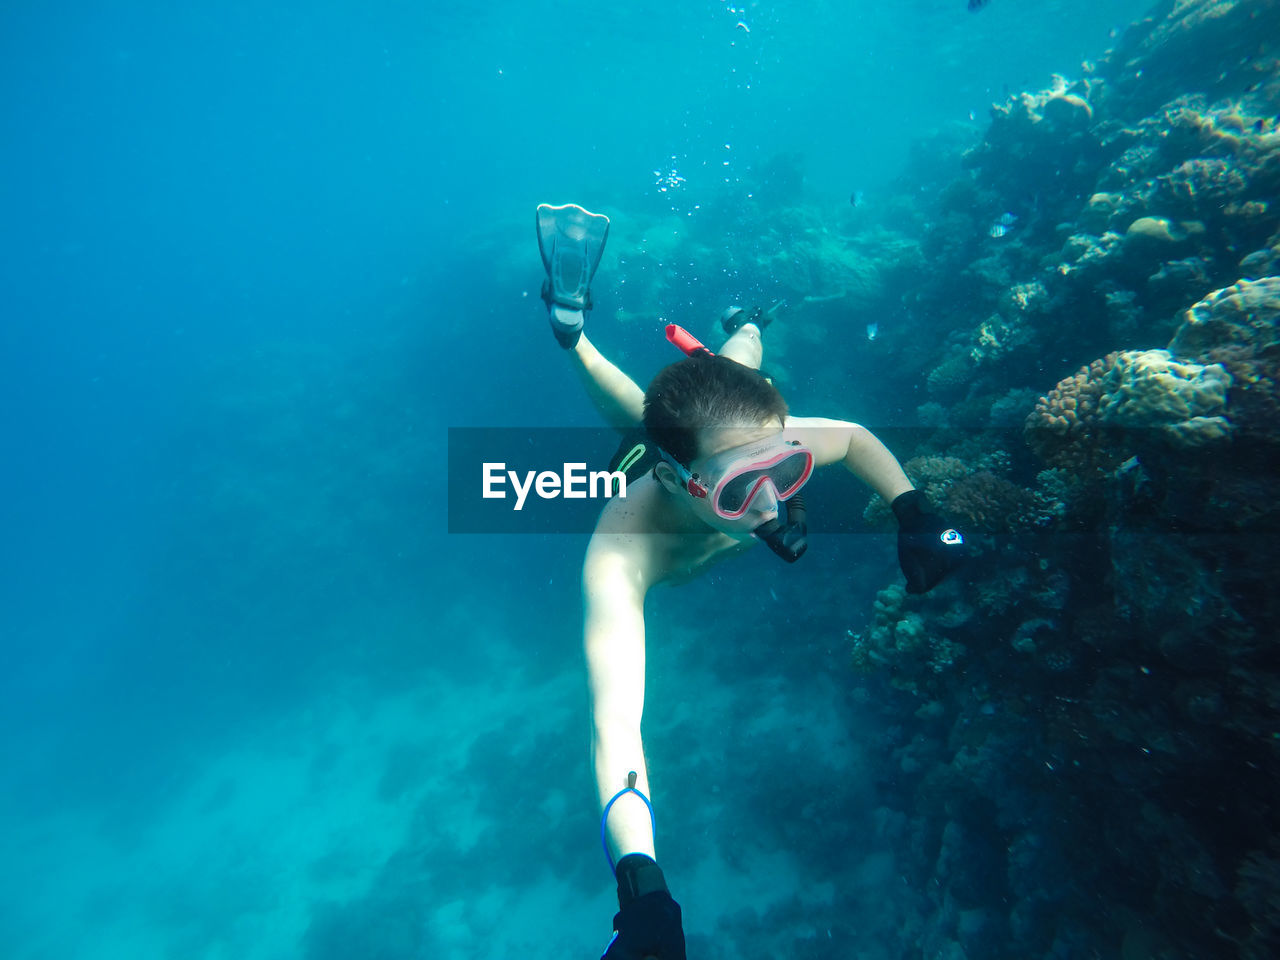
{"points": [[788, 540]]}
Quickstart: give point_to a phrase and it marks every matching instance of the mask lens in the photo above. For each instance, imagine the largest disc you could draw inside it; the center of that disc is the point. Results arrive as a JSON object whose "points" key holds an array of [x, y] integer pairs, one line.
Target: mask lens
{"points": [[787, 476], [735, 494]]}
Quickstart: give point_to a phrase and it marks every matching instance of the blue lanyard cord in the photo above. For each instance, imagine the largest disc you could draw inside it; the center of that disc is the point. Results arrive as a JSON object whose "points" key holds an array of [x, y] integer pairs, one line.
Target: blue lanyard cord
{"points": [[604, 820]]}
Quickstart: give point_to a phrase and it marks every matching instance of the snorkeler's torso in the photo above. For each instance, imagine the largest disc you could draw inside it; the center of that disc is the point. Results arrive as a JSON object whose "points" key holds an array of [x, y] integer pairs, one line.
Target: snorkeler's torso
{"points": [[674, 549]]}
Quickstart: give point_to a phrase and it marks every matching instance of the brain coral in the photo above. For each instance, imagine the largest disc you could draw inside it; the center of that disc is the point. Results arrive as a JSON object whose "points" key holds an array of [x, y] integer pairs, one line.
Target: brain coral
{"points": [[1153, 228], [1184, 402], [1239, 328], [1245, 313]]}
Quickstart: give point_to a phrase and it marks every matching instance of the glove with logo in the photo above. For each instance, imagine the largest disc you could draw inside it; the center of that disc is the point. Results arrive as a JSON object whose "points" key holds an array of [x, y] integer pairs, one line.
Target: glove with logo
{"points": [[928, 547], [648, 926]]}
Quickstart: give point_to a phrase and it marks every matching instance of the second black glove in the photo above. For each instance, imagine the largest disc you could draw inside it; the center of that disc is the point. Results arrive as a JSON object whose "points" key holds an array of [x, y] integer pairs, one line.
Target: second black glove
{"points": [[928, 547]]}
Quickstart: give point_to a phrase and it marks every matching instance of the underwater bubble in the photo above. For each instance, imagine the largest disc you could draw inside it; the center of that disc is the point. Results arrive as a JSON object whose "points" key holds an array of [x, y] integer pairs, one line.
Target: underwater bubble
{"points": [[669, 179]]}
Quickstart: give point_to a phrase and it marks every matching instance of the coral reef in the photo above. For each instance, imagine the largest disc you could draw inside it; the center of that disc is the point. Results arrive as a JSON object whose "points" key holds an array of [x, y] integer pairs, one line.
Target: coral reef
{"points": [[1094, 774], [1146, 206]]}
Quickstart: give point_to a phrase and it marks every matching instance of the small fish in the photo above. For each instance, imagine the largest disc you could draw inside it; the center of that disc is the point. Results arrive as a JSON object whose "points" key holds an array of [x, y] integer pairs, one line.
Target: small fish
{"points": [[873, 330], [998, 230], [1007, 219], [976, 5], [857, 198]]}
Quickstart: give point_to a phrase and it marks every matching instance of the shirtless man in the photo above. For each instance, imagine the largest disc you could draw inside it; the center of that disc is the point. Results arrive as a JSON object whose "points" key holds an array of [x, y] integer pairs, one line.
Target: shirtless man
{"points": [[727, 464]]}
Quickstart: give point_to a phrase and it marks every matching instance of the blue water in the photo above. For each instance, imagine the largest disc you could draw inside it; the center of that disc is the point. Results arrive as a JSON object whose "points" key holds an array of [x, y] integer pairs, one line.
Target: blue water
{"points": [[255, 260]]}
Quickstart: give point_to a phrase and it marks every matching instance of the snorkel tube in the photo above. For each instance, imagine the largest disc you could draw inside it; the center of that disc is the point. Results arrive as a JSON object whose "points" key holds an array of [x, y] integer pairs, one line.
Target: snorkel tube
{"points": [[788, 540], [686, 342]]}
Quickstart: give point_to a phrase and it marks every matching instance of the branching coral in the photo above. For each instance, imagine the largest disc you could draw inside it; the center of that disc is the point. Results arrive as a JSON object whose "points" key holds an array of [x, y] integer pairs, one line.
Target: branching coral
{"points": [[1011, 409], [952, 375], [902, 641], [932, 471], [932, 474], [1200, 186], [990, 504], [1063, 428], [1000, 335]]}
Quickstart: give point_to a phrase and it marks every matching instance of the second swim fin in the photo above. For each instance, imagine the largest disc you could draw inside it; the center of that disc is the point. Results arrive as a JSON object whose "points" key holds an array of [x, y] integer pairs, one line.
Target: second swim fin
{"points": [[571, 241]]}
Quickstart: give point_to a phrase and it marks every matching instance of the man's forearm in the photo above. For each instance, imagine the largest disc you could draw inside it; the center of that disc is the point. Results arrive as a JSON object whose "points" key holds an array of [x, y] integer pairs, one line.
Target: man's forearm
{"points": [[617, 397], [872, 463], [629, 825]]}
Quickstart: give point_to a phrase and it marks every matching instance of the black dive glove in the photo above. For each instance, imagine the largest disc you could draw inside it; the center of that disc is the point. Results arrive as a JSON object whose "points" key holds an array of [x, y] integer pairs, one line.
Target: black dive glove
{"points": [[928, 547], [648, 925]]}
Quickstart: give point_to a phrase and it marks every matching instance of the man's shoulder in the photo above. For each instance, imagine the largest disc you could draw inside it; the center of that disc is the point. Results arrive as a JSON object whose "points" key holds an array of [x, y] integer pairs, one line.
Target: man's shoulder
{"points": [[620, 555], [639, 511], [642, 533], [827, 438]]}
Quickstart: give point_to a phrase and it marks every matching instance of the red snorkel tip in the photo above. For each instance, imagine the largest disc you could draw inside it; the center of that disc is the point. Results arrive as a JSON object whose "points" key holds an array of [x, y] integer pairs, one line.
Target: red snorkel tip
{"points": [[686, 341]]}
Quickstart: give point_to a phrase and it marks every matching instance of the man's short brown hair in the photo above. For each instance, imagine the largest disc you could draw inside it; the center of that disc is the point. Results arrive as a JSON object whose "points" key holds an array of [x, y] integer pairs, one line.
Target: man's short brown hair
{"points": [[706, 391]]}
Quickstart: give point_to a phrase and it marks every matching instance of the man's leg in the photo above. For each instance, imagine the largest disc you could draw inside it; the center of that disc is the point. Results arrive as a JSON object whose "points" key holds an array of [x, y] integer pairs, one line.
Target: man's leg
{"points": [[615, 394], [745, 346]]}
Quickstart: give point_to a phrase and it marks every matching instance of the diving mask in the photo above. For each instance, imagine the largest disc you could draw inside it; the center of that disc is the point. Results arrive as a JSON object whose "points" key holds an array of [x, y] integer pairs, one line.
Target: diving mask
{"points": [[731, 479]]}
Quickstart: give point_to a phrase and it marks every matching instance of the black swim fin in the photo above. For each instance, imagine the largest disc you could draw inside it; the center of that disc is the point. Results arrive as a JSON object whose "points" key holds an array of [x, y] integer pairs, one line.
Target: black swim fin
{"points": [[571, 240]]}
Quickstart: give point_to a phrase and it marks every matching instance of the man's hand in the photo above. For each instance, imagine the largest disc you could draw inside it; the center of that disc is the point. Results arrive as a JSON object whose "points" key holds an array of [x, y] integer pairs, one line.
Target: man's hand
{"points": [[649, 923], [928, 547]]}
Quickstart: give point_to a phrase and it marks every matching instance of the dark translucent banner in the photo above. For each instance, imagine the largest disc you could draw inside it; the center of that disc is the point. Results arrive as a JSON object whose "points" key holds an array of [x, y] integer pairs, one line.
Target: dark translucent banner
{"points": [[557, 480]]}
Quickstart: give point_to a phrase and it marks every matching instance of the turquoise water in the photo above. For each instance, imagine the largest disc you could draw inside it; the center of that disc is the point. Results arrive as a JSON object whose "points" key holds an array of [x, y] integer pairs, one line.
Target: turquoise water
{"points": [[257, 702]]}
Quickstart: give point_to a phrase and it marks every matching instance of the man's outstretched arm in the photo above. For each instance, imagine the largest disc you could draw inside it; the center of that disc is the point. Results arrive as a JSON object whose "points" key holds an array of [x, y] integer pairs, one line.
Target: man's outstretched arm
{"points": [[929, 548], [835, 441], [613, 596], [648, 923], [617, 397]]}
